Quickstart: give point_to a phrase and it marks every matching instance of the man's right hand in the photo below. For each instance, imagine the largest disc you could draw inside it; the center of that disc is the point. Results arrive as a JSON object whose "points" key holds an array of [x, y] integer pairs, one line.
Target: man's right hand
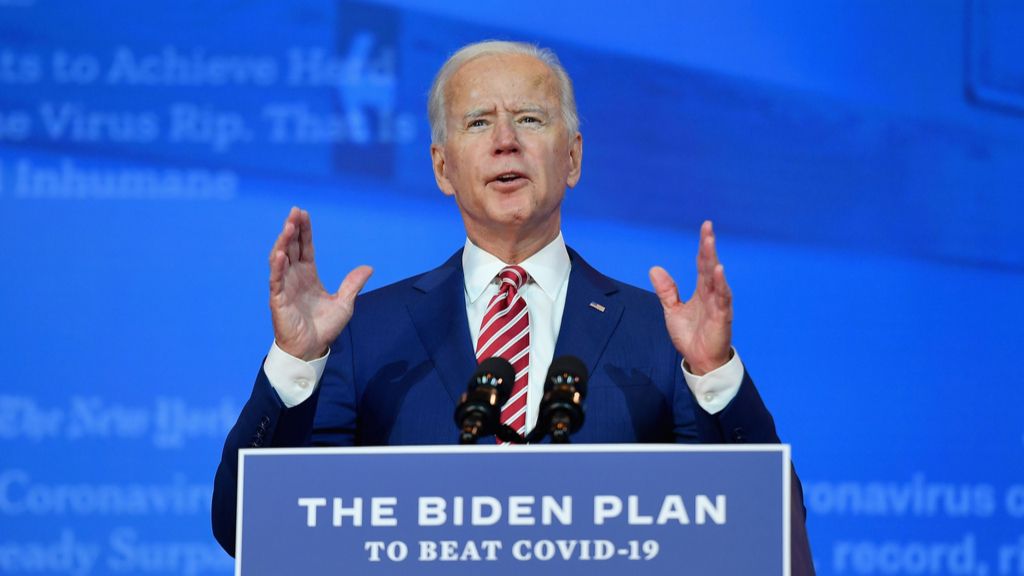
{"points": [[306, 317]]}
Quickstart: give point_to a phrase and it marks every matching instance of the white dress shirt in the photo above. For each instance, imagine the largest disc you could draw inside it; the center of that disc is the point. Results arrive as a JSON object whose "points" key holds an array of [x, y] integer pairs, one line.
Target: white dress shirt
{"points": [[295, 379], [544, 293]]}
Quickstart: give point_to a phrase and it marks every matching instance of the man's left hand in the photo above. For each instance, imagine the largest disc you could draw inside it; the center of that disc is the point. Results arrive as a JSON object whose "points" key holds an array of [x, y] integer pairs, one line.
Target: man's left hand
{"points": [[701, 328]]}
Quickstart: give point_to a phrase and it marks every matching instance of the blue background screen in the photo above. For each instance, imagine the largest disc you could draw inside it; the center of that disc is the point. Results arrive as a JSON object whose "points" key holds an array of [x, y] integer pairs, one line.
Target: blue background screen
{"points": [[862, 162]]}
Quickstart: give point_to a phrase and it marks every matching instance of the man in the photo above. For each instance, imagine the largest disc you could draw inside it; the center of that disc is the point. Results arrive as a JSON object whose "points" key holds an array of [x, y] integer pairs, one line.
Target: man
{"points": [[506, 144]]}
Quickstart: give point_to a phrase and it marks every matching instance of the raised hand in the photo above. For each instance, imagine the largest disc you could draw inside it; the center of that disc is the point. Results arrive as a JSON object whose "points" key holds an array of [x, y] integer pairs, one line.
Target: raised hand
{"points": [[701, 328], [306, 317]]}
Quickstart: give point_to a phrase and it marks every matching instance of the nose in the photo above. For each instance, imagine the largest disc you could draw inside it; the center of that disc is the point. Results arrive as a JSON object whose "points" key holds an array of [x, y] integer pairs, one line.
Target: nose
{"points": [[506, 141]]}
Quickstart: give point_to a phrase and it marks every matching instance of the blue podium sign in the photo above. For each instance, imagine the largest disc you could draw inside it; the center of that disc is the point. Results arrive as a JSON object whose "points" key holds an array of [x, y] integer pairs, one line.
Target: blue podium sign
{"points": [[605, 509]]}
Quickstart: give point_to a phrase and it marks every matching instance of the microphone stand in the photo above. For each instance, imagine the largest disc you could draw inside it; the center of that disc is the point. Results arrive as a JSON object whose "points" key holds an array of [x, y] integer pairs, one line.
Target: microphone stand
{"points": [[561, 427], [470, 430]]}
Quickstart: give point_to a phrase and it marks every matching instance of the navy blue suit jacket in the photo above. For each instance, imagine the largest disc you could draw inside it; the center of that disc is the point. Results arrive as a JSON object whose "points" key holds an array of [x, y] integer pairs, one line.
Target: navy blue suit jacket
{"points": [[396, 372]]}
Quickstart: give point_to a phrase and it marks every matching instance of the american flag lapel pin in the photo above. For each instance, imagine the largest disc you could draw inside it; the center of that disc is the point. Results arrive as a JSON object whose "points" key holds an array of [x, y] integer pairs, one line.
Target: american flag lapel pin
{"points": [[597, 306]]}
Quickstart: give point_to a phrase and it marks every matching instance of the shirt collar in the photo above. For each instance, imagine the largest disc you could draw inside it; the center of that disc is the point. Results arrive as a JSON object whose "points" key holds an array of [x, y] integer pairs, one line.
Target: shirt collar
{"points": [[548, 268]]}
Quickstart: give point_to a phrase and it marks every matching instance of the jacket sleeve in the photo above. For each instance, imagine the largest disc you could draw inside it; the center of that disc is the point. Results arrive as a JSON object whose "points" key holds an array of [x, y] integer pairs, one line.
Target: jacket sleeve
{"points": [[327, 418], [746, 420], [264, 421]]}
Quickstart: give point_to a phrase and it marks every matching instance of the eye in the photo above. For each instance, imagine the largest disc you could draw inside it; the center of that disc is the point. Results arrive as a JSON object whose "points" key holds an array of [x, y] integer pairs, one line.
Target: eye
{"points": [[529, 120], [478, 123]]}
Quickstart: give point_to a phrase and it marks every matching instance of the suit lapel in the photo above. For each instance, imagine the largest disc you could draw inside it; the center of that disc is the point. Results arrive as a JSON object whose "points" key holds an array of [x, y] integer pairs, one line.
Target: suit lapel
{"points": [[443, 328], [590, 315], [442, 325]]}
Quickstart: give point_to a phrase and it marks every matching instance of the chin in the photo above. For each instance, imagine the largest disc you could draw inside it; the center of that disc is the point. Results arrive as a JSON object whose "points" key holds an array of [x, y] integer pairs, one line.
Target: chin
{"points": [[513, 208], [513, 218]]}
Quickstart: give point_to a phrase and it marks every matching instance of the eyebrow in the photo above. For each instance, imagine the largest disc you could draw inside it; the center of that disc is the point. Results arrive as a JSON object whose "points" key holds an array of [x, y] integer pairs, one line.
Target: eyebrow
{"points": [[531, 108], [481, 112], [477, 113]]}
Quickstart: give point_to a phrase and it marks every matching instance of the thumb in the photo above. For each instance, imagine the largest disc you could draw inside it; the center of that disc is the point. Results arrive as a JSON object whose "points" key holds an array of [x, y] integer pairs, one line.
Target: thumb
{"points": [[353, 283], [664, 286]]}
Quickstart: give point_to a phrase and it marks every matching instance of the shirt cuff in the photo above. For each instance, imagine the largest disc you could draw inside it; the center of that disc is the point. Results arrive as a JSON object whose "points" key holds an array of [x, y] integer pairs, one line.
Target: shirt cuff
{"points": [[292, 378], [717, 388]]}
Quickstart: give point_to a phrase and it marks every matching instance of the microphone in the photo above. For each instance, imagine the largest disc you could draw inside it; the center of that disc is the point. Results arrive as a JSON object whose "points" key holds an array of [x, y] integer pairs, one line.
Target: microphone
{"points": [[479, 410], [561, 409]]}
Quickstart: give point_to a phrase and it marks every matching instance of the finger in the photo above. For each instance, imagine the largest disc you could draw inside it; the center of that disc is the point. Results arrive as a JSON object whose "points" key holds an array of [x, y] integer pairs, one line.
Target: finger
{"points": [[702, 250], [278, 266], [353, 283], [710, 261], [287, 229], [278, 256], [291, 247], [305, 237], [722, 293], [711, 241], [664, 286], [707, 257]]}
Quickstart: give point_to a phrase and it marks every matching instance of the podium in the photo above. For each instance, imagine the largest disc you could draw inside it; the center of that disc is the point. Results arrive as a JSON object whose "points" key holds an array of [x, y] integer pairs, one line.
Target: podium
{"points": [[503, 510]]}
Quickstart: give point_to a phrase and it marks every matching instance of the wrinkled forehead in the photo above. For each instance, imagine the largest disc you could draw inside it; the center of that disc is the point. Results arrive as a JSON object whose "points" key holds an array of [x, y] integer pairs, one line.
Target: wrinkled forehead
{"points": [[508, 79]]}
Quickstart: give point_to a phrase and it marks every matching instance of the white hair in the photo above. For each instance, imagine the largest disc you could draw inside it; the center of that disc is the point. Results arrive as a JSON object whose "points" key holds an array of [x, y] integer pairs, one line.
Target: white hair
{"points": [[438, 115]]}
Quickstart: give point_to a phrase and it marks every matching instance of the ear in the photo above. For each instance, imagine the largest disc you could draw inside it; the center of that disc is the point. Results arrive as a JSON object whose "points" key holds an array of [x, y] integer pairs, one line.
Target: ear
{"points": [[440, 176], [575, 161]]}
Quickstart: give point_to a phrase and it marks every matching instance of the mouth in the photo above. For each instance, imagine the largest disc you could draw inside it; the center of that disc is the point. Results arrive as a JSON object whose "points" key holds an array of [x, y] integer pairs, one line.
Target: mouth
{"points": [[509, 177]]}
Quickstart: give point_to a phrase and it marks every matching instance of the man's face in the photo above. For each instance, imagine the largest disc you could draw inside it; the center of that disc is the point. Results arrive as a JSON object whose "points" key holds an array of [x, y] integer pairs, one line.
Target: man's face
{"points": [[508, 156]]}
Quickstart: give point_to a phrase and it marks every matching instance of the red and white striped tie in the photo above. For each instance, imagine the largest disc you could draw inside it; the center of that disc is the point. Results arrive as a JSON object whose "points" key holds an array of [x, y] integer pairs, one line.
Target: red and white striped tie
{"points": [[505, 332]]}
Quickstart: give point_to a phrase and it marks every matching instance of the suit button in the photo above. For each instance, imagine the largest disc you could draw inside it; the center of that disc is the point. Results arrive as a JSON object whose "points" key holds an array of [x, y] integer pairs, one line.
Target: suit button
{"points": [[737, 435]]}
